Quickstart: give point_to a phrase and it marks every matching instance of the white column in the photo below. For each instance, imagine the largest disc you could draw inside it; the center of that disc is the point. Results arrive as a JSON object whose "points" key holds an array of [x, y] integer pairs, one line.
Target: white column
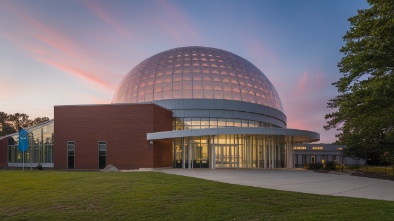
{"points": [[291, 153], [237, 151], [183, 153], [287, 153], [213, 154], [258, 144], [272, 154], [265, 151], [269, 154], [189, 153], [290, 157]]}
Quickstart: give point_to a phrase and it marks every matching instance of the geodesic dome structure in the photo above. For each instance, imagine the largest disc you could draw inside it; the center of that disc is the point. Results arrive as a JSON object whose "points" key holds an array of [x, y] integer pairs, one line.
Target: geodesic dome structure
{"points": [[197, 73]]}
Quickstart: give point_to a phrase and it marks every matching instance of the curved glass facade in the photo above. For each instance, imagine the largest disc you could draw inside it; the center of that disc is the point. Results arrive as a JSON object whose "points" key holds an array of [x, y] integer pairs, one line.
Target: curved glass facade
{"points": [[213, 122], [40, 141], [197, 72], [230, 151]]}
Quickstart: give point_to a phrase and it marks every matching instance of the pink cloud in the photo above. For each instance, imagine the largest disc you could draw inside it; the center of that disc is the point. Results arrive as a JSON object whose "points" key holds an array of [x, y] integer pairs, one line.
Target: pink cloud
{"points": [[97, 100], [7, 89], [43, 56], [50, 46], [171, 30], [311, 82], [103, 14], [256, 49], [179, 25], [78, 72], [306, 103], [302, 83]]}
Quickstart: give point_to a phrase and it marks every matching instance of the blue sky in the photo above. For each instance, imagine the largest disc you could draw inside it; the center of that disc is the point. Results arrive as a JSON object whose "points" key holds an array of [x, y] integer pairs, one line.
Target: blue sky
{"points": [[56, 52]]}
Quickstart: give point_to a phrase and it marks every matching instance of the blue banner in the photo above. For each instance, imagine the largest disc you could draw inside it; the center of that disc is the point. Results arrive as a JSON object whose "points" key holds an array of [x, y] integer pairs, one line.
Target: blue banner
{"points": [[23, 144]]}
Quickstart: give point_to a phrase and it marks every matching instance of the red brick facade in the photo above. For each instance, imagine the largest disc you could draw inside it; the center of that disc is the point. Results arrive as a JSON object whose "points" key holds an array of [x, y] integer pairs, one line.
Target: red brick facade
{"points": [[122, 126], [3, 152]]}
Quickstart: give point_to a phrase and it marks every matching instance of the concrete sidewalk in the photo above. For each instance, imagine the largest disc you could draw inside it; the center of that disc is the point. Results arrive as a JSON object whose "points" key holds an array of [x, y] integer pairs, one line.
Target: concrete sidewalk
{"points": [[303, 181]]}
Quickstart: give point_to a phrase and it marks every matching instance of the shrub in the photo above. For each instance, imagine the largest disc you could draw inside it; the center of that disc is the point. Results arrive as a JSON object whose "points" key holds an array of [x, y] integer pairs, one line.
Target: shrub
{"points": [[353, 166], [39, 167], [315, 166], [331, 165]]}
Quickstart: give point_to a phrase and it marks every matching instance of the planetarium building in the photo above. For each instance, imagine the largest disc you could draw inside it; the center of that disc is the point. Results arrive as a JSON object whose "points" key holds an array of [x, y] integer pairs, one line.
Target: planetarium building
{"points": [[190, 107]]}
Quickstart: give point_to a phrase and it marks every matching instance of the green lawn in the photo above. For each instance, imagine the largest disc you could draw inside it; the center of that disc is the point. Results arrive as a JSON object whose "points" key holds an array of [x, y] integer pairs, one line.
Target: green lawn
{"points": [[381, 172], [55, 195], [378, 169]]}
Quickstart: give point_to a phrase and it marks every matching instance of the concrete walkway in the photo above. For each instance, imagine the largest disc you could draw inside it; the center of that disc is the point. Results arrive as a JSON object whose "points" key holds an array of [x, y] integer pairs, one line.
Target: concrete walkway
{"points": [[303, 181]]}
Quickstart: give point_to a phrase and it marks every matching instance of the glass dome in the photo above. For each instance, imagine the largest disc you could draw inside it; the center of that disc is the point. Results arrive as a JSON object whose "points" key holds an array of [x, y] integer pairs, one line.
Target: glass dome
{"points": [[197, 72]]}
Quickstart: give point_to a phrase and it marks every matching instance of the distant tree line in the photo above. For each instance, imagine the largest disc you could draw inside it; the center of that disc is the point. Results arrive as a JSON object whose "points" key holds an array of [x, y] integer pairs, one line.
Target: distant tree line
{"points": [[10, 123]]}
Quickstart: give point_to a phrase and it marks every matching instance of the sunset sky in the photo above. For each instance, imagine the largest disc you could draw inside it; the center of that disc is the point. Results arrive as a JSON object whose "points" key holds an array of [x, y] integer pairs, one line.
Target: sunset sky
{"points": [[56, 52]]}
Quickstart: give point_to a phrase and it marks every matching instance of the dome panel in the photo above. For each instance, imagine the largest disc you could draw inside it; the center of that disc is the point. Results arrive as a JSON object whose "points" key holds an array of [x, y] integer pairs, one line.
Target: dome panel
{"points": [[197, 72]]}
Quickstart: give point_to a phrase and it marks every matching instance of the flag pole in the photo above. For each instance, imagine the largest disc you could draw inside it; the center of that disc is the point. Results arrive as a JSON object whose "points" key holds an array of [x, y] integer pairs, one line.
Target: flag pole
{"points": [[23, 144], [31, 158]]}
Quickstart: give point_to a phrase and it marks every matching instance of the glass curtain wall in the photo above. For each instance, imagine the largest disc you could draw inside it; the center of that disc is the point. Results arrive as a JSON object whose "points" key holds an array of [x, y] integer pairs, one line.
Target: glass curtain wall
{"points": [[231, 151], [199, 152], [40, 140], [213, 122]]}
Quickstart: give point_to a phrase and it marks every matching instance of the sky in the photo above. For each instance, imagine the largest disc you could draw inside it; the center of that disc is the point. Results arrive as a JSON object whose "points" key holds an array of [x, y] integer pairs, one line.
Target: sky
{"points": [[56, 52]]}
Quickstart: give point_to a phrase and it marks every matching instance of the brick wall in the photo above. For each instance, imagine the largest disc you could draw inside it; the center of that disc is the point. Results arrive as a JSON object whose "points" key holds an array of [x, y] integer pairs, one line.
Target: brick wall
{"points": [[3, 152], [122, 126], [162, 150]]}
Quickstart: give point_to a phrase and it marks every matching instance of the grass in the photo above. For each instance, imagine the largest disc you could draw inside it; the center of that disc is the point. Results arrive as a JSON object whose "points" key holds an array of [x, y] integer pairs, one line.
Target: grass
{"points": [[378, 169], [58, 195], [370, 171]]}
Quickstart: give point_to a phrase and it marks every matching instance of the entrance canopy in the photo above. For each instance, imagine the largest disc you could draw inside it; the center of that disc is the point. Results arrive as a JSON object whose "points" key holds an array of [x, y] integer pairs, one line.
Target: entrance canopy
{"points": [[294, 135]]}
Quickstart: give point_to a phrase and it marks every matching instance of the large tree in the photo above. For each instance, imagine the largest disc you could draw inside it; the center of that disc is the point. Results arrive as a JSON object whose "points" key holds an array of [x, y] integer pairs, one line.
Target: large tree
{"points": [[10, 123], [363, 112], [5, 127]]}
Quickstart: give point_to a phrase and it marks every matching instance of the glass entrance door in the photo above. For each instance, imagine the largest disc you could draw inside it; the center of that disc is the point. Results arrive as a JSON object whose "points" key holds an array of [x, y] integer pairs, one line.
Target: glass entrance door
{"points": [[200, 155], [227, 156]]}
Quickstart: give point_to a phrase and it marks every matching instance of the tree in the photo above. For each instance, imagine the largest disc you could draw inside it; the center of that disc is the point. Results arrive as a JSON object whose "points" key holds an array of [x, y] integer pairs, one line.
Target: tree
{"points": [[363, 112], [10, 123], [18, 120], [5, 127], [39, 120]]}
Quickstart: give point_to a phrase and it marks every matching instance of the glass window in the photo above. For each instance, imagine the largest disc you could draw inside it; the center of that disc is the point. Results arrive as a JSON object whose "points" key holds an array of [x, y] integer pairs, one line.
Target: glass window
{"points": [[230, 123], [253, 123], [102, 147], [213, 122], [196, 123], [187, 122], [70, 154], [221, 122], [178, 124], [198, 93], [237, 123], [204, 123]]}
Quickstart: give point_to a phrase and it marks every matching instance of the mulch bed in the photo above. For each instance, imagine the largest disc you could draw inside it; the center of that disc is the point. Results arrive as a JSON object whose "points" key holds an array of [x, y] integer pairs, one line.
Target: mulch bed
{"points": [[374, 175], [359, 173]]}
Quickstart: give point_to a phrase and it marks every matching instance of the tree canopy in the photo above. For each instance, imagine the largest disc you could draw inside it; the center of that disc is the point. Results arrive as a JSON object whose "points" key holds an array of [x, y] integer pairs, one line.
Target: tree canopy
{"points": [[363, 112], [10, 123]]}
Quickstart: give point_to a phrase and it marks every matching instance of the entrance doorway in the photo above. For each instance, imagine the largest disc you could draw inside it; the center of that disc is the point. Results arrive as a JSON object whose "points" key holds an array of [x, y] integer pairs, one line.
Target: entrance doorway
{"points": [[227, 155], [200, 155]]}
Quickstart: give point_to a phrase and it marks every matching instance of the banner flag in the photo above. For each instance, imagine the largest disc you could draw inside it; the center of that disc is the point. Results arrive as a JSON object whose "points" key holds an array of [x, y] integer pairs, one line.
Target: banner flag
{"points": [[23, 145]]}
